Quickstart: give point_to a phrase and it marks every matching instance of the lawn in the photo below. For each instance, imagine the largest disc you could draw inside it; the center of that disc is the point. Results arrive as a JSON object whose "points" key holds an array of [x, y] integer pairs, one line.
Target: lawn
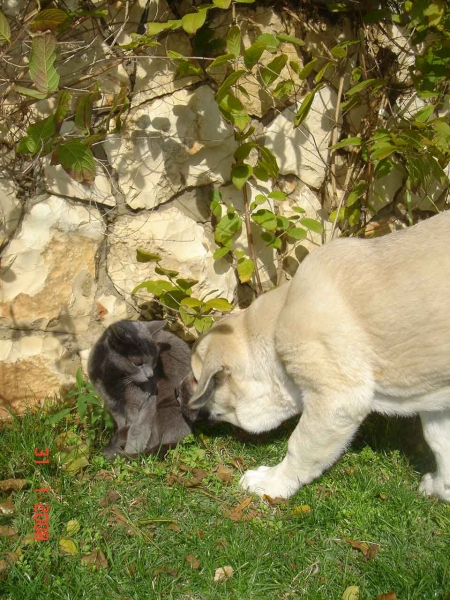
{"points": [[153, 529]]}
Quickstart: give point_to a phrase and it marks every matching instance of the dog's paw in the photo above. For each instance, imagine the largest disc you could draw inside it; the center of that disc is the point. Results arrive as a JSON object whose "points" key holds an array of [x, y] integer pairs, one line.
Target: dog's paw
{"points": [[269, 481], [432, 485]]}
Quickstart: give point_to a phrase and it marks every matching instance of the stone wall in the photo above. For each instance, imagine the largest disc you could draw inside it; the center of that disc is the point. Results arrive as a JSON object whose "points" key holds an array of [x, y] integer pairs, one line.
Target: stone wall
{"points": [[68, 261]]}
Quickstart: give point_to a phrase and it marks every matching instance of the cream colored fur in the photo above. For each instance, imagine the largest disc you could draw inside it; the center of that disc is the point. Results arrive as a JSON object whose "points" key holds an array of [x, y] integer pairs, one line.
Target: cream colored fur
{"points": [[363, 326]]}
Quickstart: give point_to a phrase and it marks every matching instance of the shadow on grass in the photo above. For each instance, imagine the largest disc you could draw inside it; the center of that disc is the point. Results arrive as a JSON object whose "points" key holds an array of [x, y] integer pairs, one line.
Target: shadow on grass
{"points": [[380, 433]]}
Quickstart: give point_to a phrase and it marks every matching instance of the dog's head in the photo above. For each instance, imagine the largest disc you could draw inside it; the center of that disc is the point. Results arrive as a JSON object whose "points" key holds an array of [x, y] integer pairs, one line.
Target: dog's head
{"points": [[231, 380]]}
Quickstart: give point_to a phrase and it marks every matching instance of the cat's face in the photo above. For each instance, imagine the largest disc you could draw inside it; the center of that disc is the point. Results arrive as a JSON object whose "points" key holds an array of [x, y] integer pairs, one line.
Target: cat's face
{"points": [[133, 351]]}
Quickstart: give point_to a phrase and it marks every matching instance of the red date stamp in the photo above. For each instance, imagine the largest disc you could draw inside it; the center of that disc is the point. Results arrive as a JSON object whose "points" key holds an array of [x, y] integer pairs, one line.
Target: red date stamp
{"points": [[41, 512]]}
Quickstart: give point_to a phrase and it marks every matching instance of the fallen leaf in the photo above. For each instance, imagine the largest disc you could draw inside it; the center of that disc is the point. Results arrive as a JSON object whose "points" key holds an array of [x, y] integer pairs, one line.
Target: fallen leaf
{"points": [[7, 509], [4, 566], [301, 510], [95, 559], [12, 485], [104, 475], [368, 550], [221, 543], [238, 462], [192, 482], [117, 517], [199, 474], [199, 532], [223, 573], [174, 527], [171, 479], [184, 467], [310, 542], [12, 557], [67, 546], [27, 540], [351, 593], [382, 496], [76, 465], [172, 572], [193, 561], [224, 473], [73, 527], [237, 513], [7, 531], [110, 498], [391, 596], [275, 501]]}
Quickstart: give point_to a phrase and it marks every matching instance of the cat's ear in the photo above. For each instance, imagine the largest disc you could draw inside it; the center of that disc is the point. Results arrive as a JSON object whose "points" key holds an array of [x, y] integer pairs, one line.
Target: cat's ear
{"points": [[155, 326]]}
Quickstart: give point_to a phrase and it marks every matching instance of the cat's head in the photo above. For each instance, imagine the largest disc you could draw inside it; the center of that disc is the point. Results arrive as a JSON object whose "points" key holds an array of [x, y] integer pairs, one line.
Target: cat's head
{"points": [[133, 350]]}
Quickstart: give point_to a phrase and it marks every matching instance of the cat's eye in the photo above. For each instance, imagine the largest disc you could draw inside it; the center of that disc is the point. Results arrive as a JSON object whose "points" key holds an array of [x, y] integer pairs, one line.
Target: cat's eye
{"points": [[136, 360]]}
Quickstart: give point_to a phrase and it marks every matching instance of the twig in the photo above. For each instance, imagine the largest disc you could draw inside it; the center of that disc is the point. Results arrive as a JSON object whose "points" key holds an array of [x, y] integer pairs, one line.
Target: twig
{"points": [[251, 246]]}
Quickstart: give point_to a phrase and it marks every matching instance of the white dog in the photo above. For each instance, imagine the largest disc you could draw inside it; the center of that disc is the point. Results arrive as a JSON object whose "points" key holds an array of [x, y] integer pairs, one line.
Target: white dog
{"points": [[363, 326]]}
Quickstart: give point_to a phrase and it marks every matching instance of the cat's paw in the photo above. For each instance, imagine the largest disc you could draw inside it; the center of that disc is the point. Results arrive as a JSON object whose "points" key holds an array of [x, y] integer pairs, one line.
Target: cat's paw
{"points": [[432, 485], [270, 481]]}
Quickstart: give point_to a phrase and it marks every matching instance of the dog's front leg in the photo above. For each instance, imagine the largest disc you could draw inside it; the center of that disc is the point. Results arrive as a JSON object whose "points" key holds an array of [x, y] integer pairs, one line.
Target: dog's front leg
{"points": [[326, 427]]}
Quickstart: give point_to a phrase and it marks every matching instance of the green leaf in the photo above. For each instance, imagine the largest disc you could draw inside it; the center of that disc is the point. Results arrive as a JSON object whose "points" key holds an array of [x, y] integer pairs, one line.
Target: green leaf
{"points": [[253, 54], [269, 40], [304, 108], [220, 60], [82, 407], [155, 28], [143, 256], [259, 199], [62, 107], [220, 252], [157, 287], [335, 216], [267, 162], [221, 304], [5, 31], [42, 57], [312, 225], [277, 195], [265, 218], [304, 72], [297, 233], [226, 85], [77, 160], [29, 92], [382, 150], [359, 87], [283, 89], [243, 151], [48, 19], [67, 546], [222, 3], [283, 223], [354, 217], [299, 209], [353, 141], [321, 73], [38, 134], [282, 37], [245, 269], [83, 113], [356, 193], [234, 41], [272, 71], [240, 174], [166, 272], [173, 298], [244, 1], [193, 21], [227, 228], [202, 324], [424, 113], [59, 416], [260, 173], [186, 284]]}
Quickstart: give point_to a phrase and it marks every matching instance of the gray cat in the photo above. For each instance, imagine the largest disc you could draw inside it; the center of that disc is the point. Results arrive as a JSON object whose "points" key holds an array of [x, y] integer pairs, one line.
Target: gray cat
{"points": [[135, 367]]}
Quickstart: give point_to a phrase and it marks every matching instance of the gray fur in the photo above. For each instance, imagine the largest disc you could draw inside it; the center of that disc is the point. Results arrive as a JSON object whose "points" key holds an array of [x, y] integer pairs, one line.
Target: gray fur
{"points": [[135, 367]]}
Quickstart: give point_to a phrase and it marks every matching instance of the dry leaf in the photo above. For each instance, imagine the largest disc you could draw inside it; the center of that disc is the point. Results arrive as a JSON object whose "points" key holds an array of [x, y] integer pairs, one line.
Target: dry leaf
{"points": [[67, 546], [389, 596], [73, 527], [223, 573], [7, 509], [117, 517], [174, 527], [184, 467], [192, 482], [7, 531], [110, 498], [382, 496], [199, 474], [4, 566], [27, 540], [95, 559], [351, 593], [172, 572], [221, 543], [301, 510], [369, 550], [238, 462], [171, 479], [193, 561], [224, 473], [236, 513], [275, 501], [12, 485], [104, 475]]}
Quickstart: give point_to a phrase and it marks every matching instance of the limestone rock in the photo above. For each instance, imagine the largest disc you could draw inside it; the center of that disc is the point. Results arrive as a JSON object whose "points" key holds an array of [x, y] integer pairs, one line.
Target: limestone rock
{"points": [[172, 143], [33, 367], [49, 268], [10, 210], [183, 245], [303, 151]]}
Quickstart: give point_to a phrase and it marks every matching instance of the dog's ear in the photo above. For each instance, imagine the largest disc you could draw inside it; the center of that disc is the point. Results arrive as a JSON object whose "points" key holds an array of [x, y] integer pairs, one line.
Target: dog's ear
{"points": [[205, 387], [155, 326]]}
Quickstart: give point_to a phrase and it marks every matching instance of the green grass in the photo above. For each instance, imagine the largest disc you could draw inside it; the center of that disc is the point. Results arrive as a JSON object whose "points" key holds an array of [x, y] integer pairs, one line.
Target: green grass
{"points": [[370, 495]]}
